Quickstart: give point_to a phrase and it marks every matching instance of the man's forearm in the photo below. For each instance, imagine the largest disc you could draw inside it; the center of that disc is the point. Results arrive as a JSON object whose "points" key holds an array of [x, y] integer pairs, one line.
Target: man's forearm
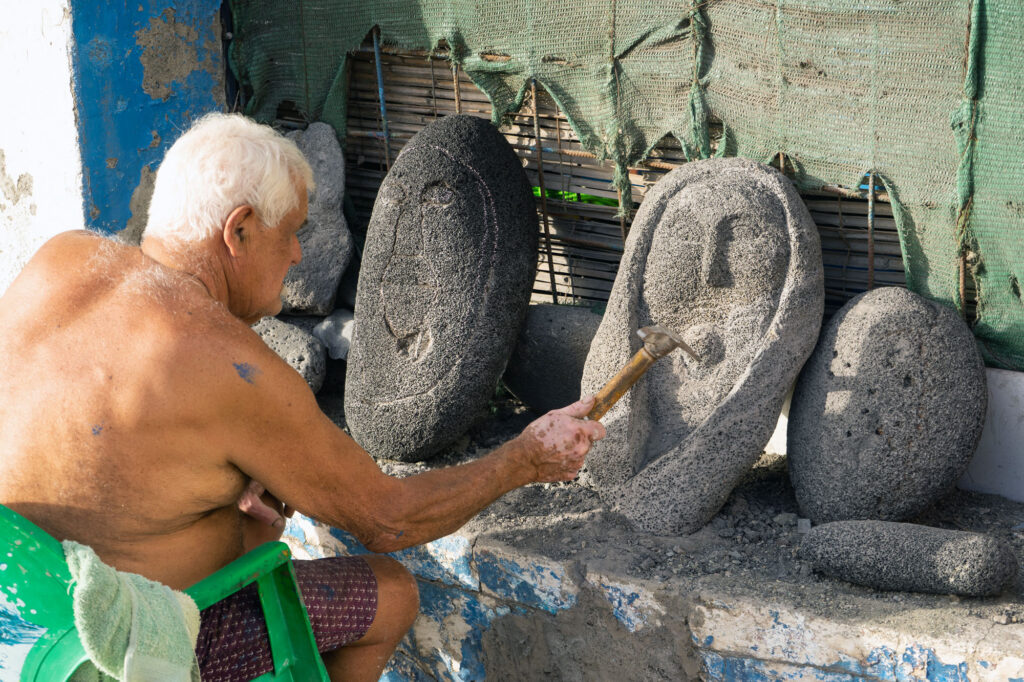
{"points": [[436, 503]]}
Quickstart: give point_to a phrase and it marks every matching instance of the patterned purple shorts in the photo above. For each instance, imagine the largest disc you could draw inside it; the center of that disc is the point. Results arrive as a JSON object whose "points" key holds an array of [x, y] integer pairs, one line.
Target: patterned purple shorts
{"points": [[340, 595]]}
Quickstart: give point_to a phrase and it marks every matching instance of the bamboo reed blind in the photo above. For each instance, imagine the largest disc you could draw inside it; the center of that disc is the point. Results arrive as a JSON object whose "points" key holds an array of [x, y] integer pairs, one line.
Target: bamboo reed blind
{"points": [[581, 246]]}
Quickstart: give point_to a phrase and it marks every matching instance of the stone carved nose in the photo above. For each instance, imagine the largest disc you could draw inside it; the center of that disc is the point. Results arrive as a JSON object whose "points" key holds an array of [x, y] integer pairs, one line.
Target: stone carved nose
{"points": [[409, 285], [409, 230], [714, 266]]}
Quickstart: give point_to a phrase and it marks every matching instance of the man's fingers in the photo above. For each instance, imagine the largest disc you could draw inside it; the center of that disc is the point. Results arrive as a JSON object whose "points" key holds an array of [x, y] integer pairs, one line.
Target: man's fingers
{"points": [[253, 506], [596, 431]]}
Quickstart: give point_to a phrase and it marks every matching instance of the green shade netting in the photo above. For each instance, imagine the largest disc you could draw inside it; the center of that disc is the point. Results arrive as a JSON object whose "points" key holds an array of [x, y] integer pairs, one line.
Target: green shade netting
{"points": [[927, 94]]}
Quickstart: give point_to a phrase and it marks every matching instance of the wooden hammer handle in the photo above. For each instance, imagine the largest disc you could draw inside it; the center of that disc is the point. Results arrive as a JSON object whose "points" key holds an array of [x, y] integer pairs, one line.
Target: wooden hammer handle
{"points": [[620, 383]]}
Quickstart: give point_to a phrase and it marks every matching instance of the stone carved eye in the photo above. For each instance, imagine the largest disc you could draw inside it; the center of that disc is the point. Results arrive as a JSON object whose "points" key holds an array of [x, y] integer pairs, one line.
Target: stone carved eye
{"points": [[438, 195], [392, 195]]}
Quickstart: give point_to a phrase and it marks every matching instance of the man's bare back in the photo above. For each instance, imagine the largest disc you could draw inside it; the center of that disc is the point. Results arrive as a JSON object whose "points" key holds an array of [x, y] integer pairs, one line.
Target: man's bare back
{"points": [[109, 434]]}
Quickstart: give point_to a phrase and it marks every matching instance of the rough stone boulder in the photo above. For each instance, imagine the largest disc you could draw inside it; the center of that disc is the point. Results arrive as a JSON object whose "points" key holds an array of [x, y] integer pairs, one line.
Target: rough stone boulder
{"points": [[887, 412], [910, 558], [292, 339], [311, 286], [445, 280], [724, 252], [546, 366]]}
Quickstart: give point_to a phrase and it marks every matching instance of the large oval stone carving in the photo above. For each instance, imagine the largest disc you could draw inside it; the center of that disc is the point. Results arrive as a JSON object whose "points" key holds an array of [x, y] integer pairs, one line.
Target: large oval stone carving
{"points": [[446, 276], [888, 411], [724, 252]]}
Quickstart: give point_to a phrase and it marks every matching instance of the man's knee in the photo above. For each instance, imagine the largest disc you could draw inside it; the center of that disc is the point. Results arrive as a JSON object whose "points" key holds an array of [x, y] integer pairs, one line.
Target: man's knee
{"points": [[398, 597]]}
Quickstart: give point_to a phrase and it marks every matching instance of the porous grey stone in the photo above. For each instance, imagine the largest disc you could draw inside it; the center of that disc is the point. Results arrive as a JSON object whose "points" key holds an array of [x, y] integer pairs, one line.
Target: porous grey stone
{"points": [[311, 286], [724, 252], [292, 339], [887, 412], [444, 283], [546, 366], [906, 557]]}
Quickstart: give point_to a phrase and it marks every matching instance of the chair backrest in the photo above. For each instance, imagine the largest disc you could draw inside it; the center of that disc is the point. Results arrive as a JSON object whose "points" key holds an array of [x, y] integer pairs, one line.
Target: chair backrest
{"points": [[38, 623], [38, 639]]}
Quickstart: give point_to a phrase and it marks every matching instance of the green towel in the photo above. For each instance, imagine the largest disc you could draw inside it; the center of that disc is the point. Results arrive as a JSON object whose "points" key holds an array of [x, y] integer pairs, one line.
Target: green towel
{"points": [[132, 628]]}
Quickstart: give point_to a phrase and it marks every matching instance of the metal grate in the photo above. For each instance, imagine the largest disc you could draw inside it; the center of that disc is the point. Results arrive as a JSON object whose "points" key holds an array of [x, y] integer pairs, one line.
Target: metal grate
{"points": [[581, 237]]}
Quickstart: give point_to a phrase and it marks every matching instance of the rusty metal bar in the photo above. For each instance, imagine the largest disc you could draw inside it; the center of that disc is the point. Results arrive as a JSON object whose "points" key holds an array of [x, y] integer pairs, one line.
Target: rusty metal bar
{"points": [[543, 192], [455, 85]]}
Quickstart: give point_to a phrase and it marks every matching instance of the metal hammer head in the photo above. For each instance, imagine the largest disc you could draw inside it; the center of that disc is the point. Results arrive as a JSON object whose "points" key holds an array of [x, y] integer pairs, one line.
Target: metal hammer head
{"points": [[659, 341]]}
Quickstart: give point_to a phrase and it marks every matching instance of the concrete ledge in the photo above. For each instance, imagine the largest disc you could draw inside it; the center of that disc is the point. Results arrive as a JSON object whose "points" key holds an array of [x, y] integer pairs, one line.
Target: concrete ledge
{"points": [[491, 610]]}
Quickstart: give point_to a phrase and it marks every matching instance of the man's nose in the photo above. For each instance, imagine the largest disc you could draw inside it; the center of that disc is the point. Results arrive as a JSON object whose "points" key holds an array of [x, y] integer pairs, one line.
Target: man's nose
{"points": [[297, 252]]}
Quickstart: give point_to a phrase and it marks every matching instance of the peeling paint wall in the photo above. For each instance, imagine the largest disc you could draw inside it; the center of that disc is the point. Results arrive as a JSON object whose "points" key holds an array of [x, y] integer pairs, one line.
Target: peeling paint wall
{"points": [[40, 168], [143, 72]]}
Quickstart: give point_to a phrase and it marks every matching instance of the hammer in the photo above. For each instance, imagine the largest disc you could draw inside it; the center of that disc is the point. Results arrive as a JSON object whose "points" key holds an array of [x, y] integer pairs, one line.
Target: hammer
{"points": [[658, 342]]}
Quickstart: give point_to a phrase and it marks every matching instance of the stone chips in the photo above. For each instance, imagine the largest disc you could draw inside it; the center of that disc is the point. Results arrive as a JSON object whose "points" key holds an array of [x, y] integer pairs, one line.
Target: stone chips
{"points": [[724, 252], [446, 276], [888, 411]]}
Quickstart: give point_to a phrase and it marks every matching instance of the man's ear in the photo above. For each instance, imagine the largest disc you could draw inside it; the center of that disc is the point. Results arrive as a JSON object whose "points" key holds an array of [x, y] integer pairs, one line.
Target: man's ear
{"points": [[236, 229]]}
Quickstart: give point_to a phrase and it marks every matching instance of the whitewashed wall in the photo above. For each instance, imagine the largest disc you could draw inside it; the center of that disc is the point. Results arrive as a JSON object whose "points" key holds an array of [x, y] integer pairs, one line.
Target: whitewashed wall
{"points": [[41, 172]]}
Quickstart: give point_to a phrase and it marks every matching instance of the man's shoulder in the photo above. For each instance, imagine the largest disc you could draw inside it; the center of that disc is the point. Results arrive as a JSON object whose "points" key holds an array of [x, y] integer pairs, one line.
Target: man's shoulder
{"points": [[223, 349]]}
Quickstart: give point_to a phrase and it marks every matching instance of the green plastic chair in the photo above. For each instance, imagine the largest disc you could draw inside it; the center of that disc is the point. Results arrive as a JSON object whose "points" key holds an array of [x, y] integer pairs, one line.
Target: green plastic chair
{"points": [[36, 582]]}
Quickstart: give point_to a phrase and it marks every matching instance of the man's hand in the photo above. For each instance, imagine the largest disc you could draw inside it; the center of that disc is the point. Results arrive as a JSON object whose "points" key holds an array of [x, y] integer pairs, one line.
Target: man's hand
{"points": [[558, 442], [266, 516]]}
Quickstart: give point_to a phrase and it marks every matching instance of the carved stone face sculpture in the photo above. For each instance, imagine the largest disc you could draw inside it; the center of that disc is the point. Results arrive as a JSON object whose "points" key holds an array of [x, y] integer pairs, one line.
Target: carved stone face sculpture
{"points": [[446, 274], [725, 253], [721, 251]]}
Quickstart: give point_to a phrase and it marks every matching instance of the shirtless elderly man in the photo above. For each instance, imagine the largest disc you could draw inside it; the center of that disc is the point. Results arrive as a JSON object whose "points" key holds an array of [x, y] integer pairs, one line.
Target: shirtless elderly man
{"points": [[139, 407]]}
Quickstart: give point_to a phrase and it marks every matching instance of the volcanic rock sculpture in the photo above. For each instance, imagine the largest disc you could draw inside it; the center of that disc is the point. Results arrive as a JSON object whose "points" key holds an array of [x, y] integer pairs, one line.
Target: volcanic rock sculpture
{"points": [[547, 365], [910, 558], [724, 252], [445, 280], [311, 286], [888, 411]]}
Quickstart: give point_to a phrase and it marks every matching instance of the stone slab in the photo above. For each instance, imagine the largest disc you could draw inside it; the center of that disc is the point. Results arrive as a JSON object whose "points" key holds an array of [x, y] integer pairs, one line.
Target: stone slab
{"points": [[335, 332], [998, 463], [741, 639], [903, 556], [444, 282]]}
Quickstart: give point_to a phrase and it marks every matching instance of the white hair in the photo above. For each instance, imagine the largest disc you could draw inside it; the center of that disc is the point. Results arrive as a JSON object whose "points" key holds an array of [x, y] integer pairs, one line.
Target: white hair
{"points": [[222, 162]]}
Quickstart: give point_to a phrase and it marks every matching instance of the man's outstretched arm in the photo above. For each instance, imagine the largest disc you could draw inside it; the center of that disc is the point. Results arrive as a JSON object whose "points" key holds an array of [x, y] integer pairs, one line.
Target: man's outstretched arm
{"points": [[305, 461], [438, 502]]}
